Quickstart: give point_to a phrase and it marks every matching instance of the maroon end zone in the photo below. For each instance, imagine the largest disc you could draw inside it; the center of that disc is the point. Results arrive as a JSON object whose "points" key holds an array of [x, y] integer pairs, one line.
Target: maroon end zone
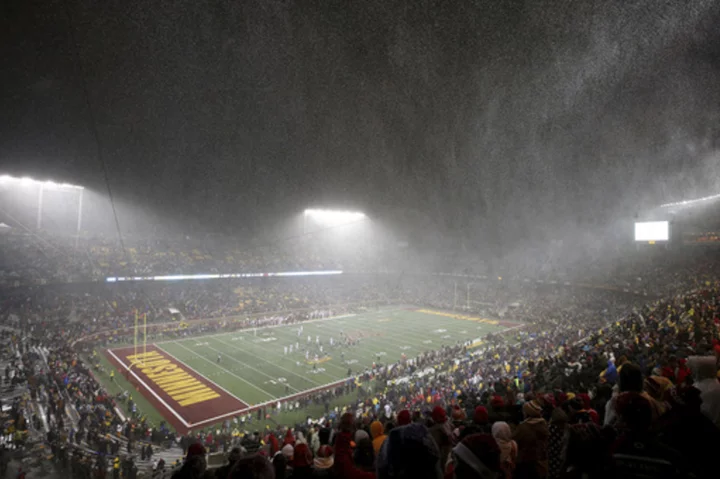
{"points": [[181, 395]]}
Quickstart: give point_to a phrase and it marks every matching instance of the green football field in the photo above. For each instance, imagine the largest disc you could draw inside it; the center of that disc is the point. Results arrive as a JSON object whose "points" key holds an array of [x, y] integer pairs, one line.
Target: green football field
{"points": [[255, 367]]}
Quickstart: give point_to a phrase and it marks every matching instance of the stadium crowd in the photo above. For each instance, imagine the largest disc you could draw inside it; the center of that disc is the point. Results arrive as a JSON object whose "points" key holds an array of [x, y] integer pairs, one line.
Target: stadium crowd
{"points": [[38, 258], [636, 398], [595, 384]]}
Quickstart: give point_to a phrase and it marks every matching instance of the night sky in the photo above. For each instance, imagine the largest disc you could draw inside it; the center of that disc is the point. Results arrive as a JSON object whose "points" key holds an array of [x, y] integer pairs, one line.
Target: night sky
{"points": [[523, 116]]}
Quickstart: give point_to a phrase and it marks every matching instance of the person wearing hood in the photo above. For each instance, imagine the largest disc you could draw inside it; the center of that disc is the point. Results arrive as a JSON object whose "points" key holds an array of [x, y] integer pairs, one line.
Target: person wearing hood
{"points": [[195, 465], [235, 455], [409, 453], [280, 466], [558, 431], [630, 379], [255, 466], [532, 437], [378, 435], [508, 448], [477, 456], [323, 463], [343, 465], [302, 462], [441, 433], [704, 370], [289, 438]]}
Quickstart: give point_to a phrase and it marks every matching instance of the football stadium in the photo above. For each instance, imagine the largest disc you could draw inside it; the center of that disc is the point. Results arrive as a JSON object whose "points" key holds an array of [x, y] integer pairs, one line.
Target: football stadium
{"points": [[360, 240]]}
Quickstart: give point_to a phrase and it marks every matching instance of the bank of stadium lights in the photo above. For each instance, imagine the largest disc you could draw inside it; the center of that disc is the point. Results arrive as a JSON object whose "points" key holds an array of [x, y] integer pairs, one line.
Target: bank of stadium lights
{"points": [[334, 216], [26, 181]]}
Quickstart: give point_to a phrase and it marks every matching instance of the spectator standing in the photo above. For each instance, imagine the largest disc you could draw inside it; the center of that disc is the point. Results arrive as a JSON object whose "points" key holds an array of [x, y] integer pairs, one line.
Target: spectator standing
{"points": [[532, 437]]}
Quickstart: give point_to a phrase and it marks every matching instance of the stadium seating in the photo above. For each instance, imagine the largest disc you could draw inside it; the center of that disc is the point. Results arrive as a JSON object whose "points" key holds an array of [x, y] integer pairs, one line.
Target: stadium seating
{"points": [[594, 373]]}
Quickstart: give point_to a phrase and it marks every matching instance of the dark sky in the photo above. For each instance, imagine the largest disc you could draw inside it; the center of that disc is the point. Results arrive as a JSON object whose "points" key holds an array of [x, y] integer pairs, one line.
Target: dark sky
{"points": [[526, 114]]}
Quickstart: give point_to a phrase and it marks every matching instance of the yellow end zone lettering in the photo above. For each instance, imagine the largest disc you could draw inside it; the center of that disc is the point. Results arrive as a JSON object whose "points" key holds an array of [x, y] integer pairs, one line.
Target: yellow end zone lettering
{"points": [[172, 379]]}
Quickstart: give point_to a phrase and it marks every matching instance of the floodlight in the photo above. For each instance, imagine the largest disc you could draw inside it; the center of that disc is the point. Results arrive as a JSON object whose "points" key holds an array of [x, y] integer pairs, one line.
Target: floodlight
{"points": [[334, 216], [47, 186], [27, 181]]}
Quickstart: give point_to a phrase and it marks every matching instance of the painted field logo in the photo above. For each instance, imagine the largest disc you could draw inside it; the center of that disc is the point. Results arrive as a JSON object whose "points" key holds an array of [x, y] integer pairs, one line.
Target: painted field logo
{"points": [[185, 398], [171, 378]]}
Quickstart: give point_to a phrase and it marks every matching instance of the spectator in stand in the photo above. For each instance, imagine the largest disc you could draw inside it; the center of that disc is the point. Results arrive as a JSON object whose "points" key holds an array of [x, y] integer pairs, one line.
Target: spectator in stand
{"points": [[508, 448], [637, 448], [343, 464], [302, 462], [409, 452], [476, 457], [223, 471], [323, 463], [532, 437], [377, 430], [705, 373], [255, 466], [441, 433], [195, 465], [557, 430]]}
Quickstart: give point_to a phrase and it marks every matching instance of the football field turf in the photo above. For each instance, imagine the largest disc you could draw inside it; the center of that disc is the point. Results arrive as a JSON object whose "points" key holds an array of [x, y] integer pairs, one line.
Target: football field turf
{"points": [[189, 387]]}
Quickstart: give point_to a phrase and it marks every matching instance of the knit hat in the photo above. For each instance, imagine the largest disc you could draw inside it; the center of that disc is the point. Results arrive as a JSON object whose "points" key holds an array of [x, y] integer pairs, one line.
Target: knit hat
{"points": [[403, 417], [288, 451], [480, 453], [324, 458], [531, 409], [497, 402], [458, 414], [195, 449], [439, 416], [361, 434], [481, 415], [302, 457]]}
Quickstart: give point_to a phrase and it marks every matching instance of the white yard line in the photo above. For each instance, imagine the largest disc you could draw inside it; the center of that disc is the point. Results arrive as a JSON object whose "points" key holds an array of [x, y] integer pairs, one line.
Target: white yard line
{"points": [[261, 328], [247, 366], [224, 369], [265, 360]]}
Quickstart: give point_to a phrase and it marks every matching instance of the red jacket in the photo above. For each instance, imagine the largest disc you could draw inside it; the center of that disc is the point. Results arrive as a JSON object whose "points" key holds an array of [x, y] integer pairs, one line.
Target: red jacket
{"points": [[344, 466]]}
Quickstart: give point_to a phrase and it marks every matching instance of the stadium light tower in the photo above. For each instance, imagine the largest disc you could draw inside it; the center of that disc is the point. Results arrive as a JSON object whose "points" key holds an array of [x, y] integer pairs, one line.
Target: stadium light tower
{"points": [[42, 187], [331, 217]]}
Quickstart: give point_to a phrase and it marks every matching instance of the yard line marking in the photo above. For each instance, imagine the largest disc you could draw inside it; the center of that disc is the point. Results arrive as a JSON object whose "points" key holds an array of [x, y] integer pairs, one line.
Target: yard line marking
{"points": [[254, 369], [270, 362], [226, 370]]}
